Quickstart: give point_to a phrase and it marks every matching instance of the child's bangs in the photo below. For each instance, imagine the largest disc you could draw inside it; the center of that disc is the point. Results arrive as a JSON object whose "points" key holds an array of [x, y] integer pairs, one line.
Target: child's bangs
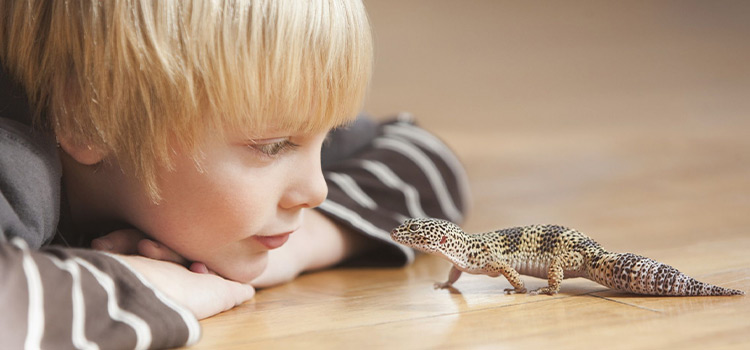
{"points": [[155, 77], [299, 67]]}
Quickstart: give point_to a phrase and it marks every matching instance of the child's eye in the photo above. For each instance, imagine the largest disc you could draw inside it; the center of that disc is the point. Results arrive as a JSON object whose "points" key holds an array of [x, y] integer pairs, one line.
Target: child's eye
{"points": [[273, 147]]}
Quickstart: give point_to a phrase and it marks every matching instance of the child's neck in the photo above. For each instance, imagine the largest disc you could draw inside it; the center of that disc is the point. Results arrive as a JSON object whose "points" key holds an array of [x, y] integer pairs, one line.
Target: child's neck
{"points": [[89, 207]]}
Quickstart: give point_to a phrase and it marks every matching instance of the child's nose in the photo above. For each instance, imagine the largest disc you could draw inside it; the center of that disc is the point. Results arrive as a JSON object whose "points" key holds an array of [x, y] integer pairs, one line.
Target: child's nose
{"points": [[308, 188], [317, 189]]}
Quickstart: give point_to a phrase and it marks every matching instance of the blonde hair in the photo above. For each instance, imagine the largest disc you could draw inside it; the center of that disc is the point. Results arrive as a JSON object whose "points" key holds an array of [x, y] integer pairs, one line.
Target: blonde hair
{"points": [[142, 78]]}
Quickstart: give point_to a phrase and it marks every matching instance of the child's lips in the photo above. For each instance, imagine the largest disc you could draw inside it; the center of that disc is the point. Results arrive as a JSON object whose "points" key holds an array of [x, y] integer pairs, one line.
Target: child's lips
{"points": [[275, 241]]}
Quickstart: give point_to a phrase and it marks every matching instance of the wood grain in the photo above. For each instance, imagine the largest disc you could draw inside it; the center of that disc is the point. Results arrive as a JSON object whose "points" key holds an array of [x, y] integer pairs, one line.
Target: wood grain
{"points": [[626, 120]]}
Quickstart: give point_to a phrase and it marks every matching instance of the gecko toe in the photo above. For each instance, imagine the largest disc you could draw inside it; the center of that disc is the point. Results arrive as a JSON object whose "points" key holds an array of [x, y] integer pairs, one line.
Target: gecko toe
{"points": [[515, 290], [545, 290], [442, 285]]}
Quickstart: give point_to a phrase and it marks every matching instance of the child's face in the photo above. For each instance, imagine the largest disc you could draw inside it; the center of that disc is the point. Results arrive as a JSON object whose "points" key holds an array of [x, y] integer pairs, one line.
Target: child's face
{"points": [[244, 203]]}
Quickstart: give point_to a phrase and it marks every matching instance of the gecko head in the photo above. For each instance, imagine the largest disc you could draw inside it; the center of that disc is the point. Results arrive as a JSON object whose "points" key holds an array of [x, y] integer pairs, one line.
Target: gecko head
{"points": [[427, 235]]}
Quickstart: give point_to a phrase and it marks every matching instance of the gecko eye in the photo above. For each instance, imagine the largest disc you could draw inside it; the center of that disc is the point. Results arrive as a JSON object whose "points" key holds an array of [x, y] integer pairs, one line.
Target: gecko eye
{"points": [[414, 227]]}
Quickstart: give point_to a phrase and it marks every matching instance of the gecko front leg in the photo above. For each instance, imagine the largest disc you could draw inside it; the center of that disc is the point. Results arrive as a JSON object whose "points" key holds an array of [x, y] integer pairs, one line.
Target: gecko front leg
{"points": [[453, 276]]}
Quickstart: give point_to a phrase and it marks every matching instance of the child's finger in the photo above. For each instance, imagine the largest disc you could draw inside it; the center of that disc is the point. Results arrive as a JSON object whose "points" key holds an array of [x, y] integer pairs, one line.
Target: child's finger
{"points": [[154, 250], [120, 241], [199, 267]]}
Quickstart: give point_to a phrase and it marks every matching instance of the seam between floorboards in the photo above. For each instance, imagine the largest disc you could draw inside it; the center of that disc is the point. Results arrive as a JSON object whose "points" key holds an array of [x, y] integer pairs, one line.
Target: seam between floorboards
{"points": [[628, 304]]}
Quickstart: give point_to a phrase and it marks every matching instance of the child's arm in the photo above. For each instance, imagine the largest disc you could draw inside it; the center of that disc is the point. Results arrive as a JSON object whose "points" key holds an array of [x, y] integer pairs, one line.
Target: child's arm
{"points": [[68, 298]]}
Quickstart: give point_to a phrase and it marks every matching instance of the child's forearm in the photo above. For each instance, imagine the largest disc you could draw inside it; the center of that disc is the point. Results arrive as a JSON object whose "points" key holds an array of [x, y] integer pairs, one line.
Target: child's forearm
{"points": [[57, 288], [207, 294]]}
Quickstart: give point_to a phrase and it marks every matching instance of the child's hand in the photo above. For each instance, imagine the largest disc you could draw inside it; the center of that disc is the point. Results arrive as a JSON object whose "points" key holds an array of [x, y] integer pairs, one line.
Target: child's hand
{"points": [[203, 294], [198, 289], [134, 242]]}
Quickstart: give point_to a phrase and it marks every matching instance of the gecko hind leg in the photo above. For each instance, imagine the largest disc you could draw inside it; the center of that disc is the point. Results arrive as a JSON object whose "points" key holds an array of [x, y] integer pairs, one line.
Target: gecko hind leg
{"points": [[555, 273]]}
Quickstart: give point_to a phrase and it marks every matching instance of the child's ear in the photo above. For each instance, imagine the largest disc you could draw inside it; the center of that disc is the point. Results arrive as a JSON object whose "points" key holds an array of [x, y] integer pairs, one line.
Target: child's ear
{"points": [[83, 153]]}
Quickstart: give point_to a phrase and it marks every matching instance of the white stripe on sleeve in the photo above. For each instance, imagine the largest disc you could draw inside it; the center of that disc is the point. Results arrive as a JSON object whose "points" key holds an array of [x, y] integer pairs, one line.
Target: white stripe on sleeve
{"points": [[430, 170], [193, 326], [35, 322], [350, 187], [367, 227], [433, 143], [141, 328], [390, 179], [79, 306]]}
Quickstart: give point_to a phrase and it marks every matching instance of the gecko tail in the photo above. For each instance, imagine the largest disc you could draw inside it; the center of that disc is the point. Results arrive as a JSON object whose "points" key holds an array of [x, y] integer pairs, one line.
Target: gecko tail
{"points": [[640, 275]]}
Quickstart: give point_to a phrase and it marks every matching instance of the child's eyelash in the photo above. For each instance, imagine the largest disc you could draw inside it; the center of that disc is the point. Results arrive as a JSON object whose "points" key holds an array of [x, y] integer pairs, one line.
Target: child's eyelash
{"points": [[274, 148]]}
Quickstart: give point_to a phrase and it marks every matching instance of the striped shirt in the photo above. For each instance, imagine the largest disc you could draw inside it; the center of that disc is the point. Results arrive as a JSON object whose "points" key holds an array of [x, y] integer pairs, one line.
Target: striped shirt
{"points": [[63, 297]]}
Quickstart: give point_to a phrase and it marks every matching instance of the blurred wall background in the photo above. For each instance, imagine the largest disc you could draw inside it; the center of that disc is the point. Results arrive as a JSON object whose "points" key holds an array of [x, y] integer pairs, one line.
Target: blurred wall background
{"points": [[625, 114], [548, 63]]}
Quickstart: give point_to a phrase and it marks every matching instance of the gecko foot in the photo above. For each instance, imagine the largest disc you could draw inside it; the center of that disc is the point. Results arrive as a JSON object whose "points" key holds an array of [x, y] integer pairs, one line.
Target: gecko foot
{"points": [[444, 285], [515, 290], [543, 290]]}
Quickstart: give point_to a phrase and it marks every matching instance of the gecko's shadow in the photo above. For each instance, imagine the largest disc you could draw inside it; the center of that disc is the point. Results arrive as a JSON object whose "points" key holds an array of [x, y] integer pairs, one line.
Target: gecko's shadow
{"points": [[453, 290], [456, 296]]}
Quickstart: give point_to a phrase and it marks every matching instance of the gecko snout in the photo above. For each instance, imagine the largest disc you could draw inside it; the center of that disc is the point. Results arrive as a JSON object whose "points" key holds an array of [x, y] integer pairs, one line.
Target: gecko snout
{"points": [[397, 235], [394, 233]]}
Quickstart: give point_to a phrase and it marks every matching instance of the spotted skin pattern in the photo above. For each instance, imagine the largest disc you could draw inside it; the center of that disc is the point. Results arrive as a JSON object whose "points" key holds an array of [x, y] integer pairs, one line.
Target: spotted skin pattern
{"points": [[546, 251]]}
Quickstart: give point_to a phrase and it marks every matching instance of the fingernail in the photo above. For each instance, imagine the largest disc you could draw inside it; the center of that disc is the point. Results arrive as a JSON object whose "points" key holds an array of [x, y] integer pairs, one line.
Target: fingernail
{"points": [[198, 267], [101, 244]]}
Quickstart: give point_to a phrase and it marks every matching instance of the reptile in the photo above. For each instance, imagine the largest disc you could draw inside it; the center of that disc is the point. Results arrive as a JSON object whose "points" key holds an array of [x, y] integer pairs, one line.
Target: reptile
{"points": [[545, 251]]}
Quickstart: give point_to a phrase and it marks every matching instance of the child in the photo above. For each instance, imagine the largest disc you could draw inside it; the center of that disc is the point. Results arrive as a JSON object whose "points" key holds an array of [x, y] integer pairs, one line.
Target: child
{"points": [[191, 132]]}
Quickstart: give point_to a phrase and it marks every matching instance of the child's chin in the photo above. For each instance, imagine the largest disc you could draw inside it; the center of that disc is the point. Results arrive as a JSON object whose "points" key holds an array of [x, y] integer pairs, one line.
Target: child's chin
{"points": [[243, 270]]}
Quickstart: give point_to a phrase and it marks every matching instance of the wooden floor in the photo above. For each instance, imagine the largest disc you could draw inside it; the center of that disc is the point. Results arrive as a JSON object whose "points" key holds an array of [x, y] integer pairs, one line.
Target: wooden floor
{"points": [[627, 120]]}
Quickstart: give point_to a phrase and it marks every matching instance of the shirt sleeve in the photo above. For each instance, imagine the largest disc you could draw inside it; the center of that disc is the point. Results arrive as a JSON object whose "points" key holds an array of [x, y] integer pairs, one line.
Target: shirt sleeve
{"points": [[399, 171], [54, 297]]}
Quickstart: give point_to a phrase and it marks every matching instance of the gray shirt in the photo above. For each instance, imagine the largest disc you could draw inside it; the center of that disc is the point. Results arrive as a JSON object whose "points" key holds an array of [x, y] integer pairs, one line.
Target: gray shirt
{"points": [[29, 183]]}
